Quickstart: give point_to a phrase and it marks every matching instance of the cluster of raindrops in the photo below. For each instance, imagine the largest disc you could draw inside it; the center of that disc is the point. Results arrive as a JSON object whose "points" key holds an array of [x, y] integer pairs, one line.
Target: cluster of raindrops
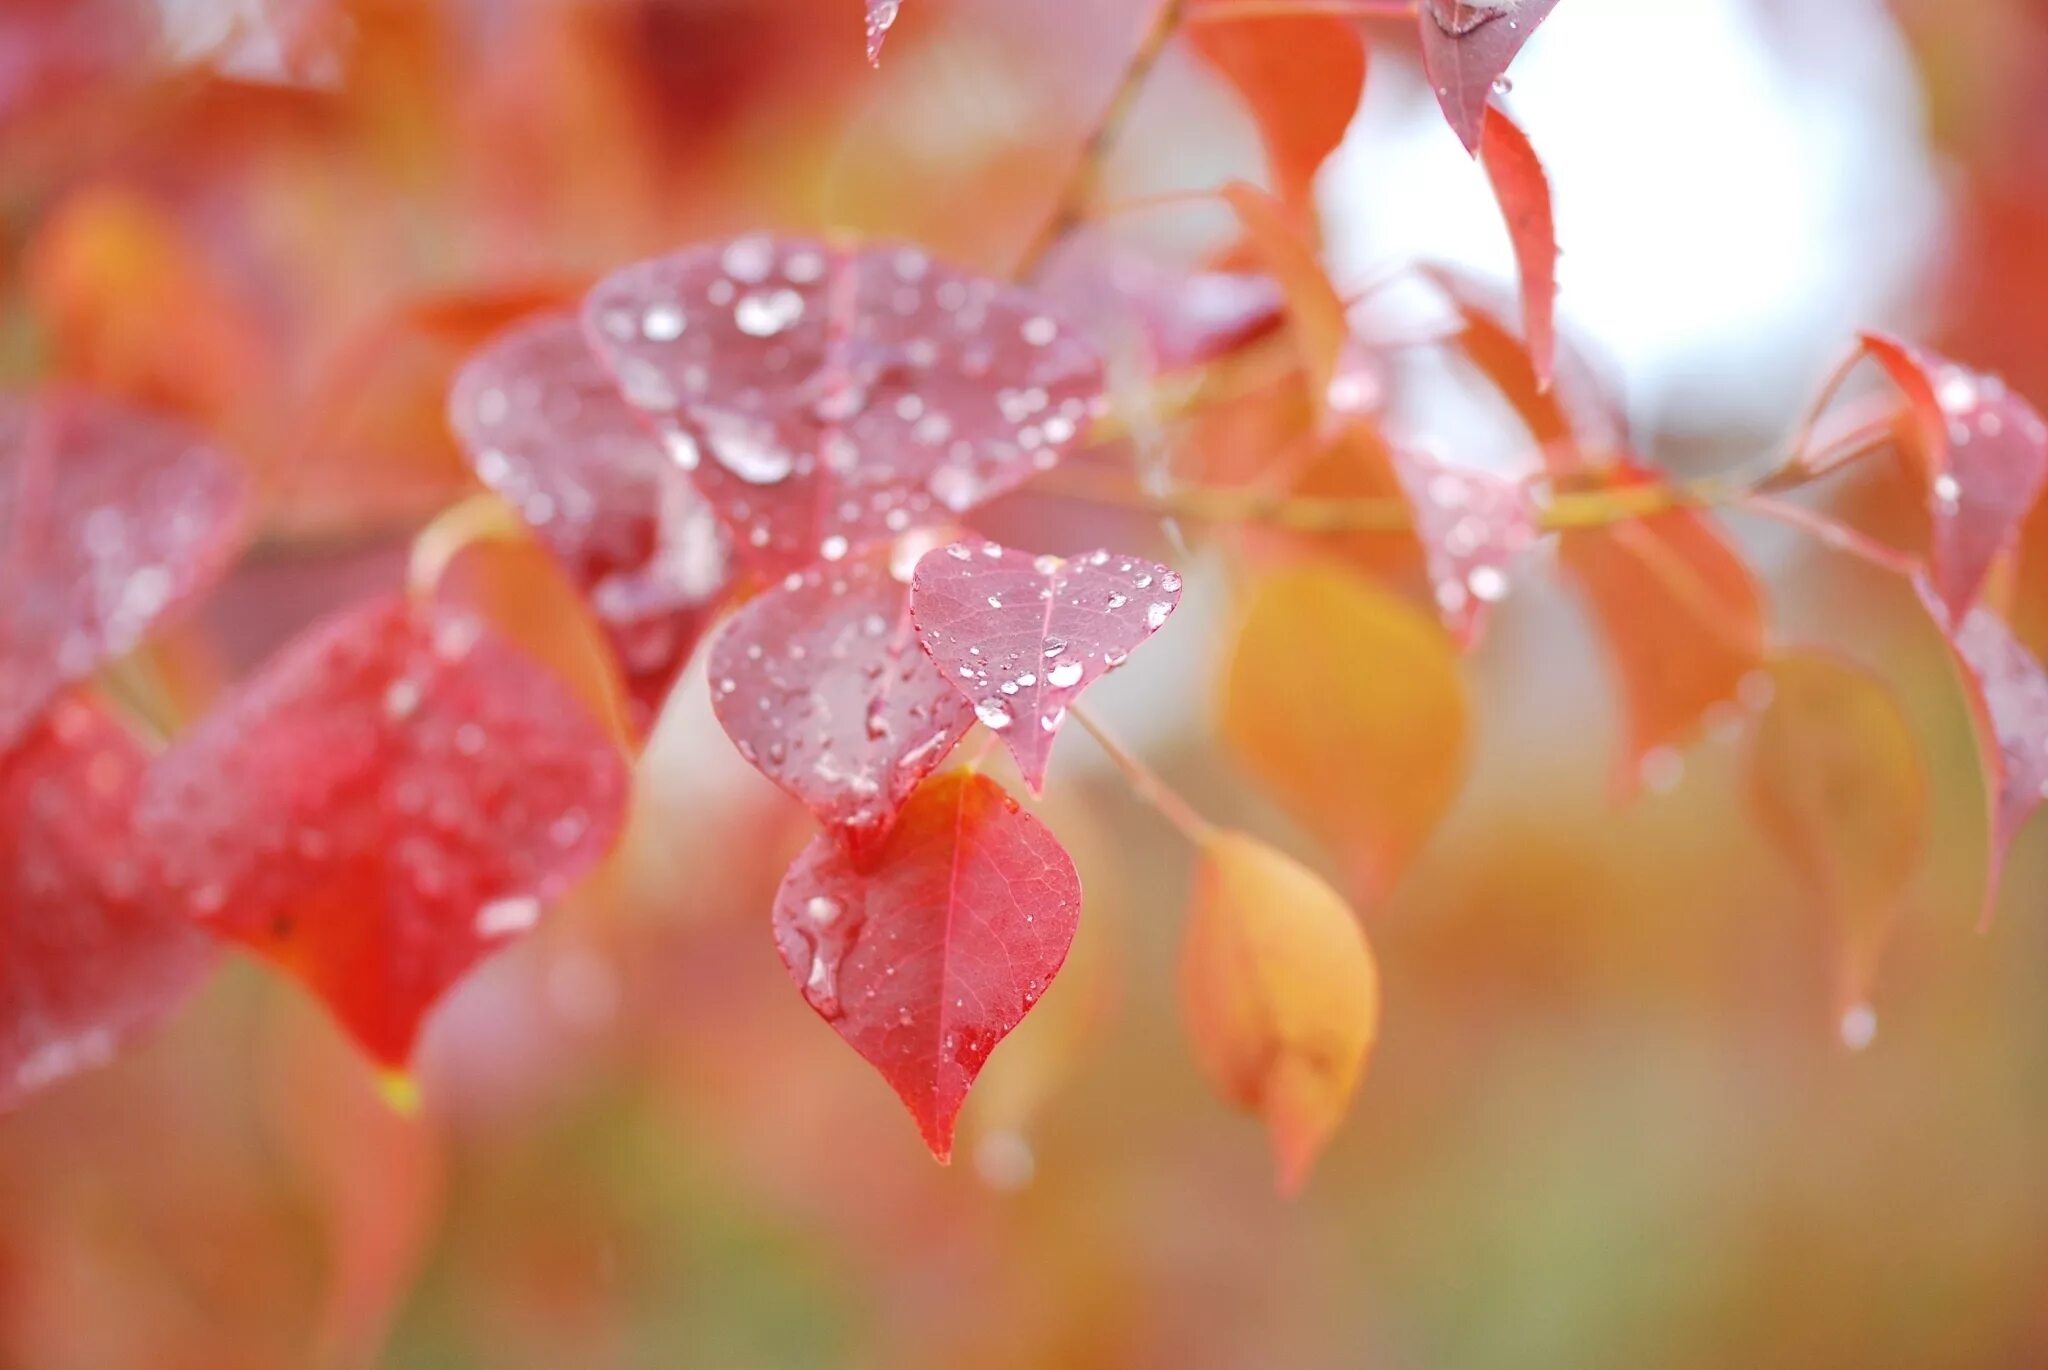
{"points": [[825, 400], [1473, 526]]}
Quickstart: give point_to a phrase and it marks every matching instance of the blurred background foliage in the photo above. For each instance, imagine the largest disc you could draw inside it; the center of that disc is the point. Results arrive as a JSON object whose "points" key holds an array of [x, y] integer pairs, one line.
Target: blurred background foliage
{"points": [[1608, 1122]]}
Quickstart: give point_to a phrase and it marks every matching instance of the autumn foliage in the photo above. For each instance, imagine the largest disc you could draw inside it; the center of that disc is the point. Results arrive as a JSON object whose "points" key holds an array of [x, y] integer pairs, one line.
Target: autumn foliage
{"points": [[894, 508]]}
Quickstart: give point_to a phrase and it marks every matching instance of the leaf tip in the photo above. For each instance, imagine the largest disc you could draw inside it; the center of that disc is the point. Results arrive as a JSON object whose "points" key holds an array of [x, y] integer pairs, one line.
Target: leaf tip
{"points": [[400, 1091]]}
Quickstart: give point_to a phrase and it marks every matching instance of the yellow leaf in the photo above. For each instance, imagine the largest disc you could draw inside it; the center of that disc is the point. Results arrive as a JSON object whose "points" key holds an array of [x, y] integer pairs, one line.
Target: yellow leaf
{"points": [[1280, 994], [1838, 787], [1347, 704]]}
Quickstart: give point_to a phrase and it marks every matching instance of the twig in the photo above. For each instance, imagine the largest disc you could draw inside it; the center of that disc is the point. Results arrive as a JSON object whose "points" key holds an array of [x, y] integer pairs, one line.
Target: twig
{"points": [[1147, 783]]}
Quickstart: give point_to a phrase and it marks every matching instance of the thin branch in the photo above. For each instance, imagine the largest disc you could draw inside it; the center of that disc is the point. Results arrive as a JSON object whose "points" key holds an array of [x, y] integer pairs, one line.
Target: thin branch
{"points": [[1147, 783]]}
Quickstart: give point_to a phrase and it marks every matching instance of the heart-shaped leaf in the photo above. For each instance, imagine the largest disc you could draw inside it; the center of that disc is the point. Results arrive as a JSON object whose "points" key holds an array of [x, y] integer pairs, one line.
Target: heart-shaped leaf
{"points": [[1523, 191], [1988, 457], [926, 957], [1300, 77], [113, 521], [1467, 45], [1280, 995], [92, 955], [1473, 526], [822, 686], [1682, 617], [2007, 692], [1022, 636], [1347, 705], [827, 399], [395, 794], [543, 425], [1839, 789]]}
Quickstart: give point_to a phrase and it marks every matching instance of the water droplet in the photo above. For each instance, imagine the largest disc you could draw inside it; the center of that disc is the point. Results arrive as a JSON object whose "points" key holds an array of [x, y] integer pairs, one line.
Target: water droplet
{"points": [[662, 323], [1156, 614], [763, 314], [504, 917], [1859, 1027], [401, 698], [993, 713], [1064, 675], [1488, 583], [823, 909]]}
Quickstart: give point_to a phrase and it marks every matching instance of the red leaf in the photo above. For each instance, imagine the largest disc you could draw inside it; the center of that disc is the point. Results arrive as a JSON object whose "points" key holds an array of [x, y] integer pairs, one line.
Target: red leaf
{"points": [[1022, 636], [1473, 525], [1988, 453], [838, 398], [544, 426], [393, 796], [2008, 697], [926, 958], [1522, 189], [1682, 616], [92, 955], [1466, 47], [821, 684], [1301, 77], [113, 522], [881, 18]]}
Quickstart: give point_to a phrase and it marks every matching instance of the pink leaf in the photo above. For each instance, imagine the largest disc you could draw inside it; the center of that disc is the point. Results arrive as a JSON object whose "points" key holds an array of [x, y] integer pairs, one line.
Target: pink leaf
{"points": [[1522, 189], [394, 795], [1178, 317], [1988, 450], [1022, 636], [110, 522], [881, 18], [92, 956], [927, 957], [1466, 47], [545, 427], [2007, 693], [838, 398], [821, 684], [1473, 525]]}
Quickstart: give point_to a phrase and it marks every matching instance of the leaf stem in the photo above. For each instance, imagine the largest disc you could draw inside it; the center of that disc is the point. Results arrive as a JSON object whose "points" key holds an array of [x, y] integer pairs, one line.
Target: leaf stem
{"points": [[480, 518], [1146, 782], [1070, 208]]}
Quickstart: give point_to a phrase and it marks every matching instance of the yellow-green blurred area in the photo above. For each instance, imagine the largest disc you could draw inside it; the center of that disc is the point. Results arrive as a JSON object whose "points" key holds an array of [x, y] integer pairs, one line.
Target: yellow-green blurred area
{"points": [[1610, 1120]]}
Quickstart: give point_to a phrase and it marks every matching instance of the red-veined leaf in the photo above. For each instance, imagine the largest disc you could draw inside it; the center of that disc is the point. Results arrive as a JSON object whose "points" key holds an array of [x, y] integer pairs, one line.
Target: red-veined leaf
{"points": [[92, 954], [1300, 77], [1020, 637], [544, 426], [1523, 190], [1473, 526], [1346, 703], [1467, 45], [1280, 995], [1839, 789], [112, 522], [395, 794], [822, 686], [881, 17], [1682, 617], [2007, 691], [1988, 453], [926, 957], [827, 399]]}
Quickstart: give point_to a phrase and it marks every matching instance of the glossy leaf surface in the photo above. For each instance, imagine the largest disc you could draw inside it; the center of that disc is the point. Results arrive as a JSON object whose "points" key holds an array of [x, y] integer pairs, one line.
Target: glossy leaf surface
{"points": [[1020, 637], [1467, 45], [924, 959]]}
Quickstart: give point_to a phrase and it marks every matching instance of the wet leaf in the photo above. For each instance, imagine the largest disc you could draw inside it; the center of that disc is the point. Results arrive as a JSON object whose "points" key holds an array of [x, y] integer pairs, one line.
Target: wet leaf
{"points": [[822, 686], [1473, 526], [2007, 691], [394, 795], [881, 17], [1176, 318], [1347, 706], [1682, 618], [1988, 460], [1523, 190], [544, 426], [1020, 637], [825, 400], [92, 954], [1300, 77], [926, 957], [1280, 995], [113, 522], [1838, 787], [1466, 47]]}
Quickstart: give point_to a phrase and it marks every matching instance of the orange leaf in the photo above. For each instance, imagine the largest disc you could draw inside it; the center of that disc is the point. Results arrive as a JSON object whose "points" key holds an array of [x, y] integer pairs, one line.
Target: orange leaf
{"points": [[1300, 77], [1347, 704], [1280, 993], [1683, 621], [1315, 312], [1838, 788]]}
